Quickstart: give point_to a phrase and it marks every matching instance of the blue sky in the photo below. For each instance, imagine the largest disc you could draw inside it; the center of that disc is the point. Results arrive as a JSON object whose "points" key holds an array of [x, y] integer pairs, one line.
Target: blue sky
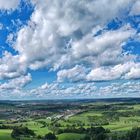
{"points": [[72, 49]]}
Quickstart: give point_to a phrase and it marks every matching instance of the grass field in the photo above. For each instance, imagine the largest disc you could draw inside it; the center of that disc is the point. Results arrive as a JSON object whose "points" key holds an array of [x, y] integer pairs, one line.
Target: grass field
{"points": [[37, 127], [70, 136], [85, 119], [123, 124], [5, 134]]}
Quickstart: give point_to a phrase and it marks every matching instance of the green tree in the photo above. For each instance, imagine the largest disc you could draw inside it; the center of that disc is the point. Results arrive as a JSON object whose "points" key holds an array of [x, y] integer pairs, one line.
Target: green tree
{"points": [[50, 136]]}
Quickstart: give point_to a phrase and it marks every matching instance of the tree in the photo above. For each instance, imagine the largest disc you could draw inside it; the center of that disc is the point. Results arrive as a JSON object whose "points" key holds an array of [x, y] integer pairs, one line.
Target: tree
{"points": [[22, 131], [87, 137], [50, 136]]}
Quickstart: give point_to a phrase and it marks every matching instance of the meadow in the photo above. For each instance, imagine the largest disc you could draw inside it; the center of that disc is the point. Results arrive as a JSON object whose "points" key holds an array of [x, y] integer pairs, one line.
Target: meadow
{"points": [[66, 119]]}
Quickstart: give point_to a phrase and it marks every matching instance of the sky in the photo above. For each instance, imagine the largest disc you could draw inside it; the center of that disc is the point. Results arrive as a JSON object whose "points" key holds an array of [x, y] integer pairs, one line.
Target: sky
{"points": [[70, 49]]}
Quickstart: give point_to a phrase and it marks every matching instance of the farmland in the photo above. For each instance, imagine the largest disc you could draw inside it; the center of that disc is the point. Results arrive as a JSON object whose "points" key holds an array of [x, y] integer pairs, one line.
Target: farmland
{"points": [[68, 120]]}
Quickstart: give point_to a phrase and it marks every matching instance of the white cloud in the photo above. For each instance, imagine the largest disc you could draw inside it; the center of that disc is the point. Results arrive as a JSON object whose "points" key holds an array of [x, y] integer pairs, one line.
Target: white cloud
{"points": [[119, 89], [75, 74], [61, 36], [123, 71], [77, 90], [135, 8], [10, 66], [106, 45], [9, 5], [129, 70], [44, 42], [134, 73], [87, 90], [16, 83], [56, 90]]}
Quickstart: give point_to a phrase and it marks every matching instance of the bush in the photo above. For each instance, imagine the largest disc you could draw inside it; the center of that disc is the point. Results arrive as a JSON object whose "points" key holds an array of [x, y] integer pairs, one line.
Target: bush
{"points": [[50, 136], [22, 131]]}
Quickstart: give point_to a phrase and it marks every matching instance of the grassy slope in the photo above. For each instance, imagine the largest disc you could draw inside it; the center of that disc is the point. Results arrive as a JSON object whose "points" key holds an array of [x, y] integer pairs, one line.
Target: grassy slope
{"points": [[37, 127], [5, 134], [70, 136], [125, 123]]}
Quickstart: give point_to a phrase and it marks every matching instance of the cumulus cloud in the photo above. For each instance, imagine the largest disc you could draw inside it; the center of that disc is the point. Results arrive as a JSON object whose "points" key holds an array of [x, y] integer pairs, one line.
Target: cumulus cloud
{"points": [[16, 83], [87, 90], [134, 73], [57, 26], [10, 66], [129, 70], [56, 90], [75, 74], [119, 89], [103, 47], [77, 90], [9, 5], [135, 8], [71, 37], [120, 71]]}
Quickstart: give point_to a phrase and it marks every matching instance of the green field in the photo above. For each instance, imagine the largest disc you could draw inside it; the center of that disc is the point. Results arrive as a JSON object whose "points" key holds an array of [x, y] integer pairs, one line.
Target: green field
{"points": [[5, 134], [70, 136], [115, 117]]}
